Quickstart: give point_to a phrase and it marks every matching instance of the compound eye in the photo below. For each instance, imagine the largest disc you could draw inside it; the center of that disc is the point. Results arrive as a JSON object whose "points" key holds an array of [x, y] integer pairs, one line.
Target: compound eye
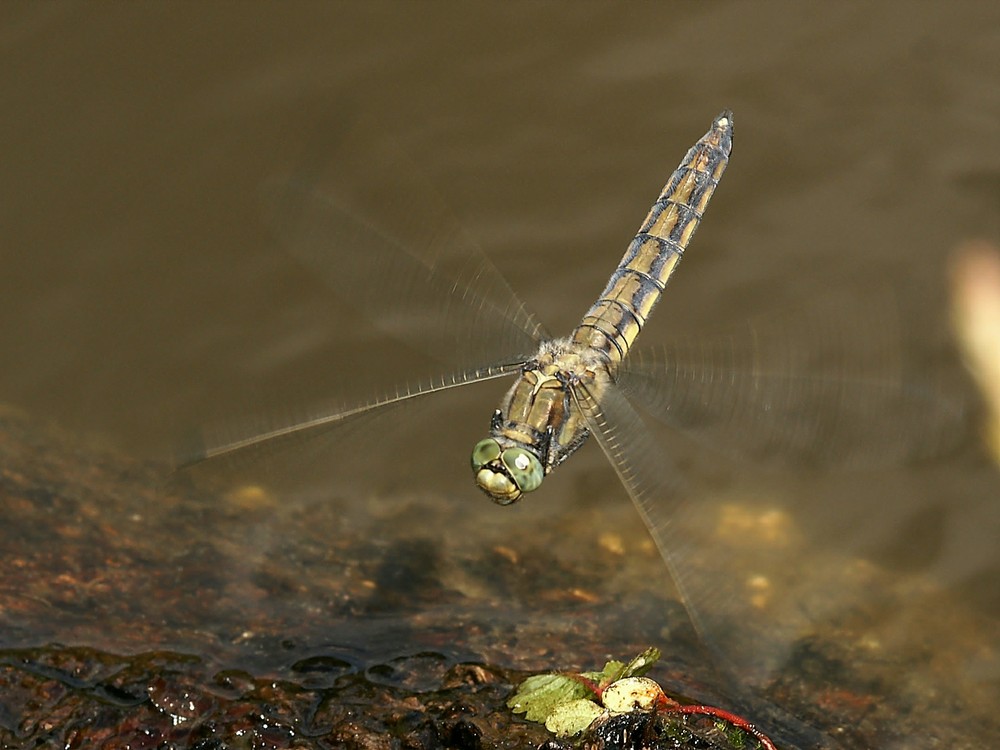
{"points": [[485, 451], [524, 467]]}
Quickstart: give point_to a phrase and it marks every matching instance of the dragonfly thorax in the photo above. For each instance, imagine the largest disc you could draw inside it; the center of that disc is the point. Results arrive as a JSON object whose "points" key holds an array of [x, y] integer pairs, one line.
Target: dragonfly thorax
{"points": [[539, 422]]}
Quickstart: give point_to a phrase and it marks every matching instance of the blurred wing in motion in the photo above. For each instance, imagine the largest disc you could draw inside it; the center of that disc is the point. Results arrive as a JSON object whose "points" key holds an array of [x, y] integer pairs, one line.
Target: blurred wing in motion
{"points": [[383, 242], [709, 582], [829, 387], [387, 245], [248, 441]]}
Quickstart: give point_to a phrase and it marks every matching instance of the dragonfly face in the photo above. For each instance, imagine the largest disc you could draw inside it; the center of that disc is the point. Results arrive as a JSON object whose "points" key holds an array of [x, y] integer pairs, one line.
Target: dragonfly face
{"points": [[505, 473]]}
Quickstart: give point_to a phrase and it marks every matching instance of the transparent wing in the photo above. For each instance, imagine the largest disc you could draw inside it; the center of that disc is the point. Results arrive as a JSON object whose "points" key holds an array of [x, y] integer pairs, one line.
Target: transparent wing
{"points": [[386, 244], [256, 435], [709, 577], [371, 230], [827, 387]]}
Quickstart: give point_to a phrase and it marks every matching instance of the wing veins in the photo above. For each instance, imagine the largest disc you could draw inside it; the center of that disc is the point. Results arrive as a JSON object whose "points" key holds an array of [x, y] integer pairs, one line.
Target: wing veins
{"points": [[304, 429]]}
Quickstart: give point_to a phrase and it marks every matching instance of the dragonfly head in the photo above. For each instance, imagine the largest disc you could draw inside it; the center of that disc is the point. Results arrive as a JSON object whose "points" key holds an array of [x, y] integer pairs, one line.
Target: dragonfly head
{"points": [[505, 473]]}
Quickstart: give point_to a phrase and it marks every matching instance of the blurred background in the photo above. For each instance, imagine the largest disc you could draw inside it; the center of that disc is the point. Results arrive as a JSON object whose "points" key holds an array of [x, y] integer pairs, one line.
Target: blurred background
{"points": [[142, 294]]}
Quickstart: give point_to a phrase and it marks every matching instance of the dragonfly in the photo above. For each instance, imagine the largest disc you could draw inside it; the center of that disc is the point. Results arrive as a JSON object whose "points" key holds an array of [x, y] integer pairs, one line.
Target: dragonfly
{"points": [[756, 385], [555, 404], [550, 411]]}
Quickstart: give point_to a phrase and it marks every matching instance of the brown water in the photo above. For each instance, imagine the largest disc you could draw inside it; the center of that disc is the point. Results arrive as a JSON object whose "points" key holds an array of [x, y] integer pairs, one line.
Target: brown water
{"points": [[141, 290]]}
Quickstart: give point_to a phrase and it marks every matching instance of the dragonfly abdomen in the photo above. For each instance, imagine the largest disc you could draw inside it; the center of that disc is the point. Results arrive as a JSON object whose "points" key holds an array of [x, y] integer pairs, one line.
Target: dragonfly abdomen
{"points": [[615, 320]]}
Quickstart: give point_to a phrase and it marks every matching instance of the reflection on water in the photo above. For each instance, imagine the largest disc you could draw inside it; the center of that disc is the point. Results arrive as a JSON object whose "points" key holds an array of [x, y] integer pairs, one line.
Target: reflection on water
{"points": [[141, 288]]}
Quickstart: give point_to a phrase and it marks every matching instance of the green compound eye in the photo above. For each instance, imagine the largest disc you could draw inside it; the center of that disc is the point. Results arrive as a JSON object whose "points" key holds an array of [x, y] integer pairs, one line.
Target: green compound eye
{"points": [[524, 467], [485, 451]]}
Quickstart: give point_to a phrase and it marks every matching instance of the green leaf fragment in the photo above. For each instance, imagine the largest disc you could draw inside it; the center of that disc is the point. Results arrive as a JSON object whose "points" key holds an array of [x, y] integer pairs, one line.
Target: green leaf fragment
{"points": [[538, 696], [564, 701], [573, 717], [611, 672], [641, 664]]}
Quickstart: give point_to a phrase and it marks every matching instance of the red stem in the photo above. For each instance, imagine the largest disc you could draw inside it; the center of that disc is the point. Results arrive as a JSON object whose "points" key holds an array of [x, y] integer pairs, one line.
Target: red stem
{"points": [[737, 721]]}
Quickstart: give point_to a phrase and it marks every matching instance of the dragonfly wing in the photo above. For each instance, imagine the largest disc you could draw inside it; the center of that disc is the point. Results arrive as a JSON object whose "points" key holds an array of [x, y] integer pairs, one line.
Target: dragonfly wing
{"points": [[655, 488], [387, 245], [247, 441], [709, 577], [361, 220], [830, 387]]}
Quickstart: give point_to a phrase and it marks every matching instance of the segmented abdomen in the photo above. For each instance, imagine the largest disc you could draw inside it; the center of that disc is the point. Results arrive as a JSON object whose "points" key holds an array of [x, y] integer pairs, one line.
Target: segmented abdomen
{"points": [[614, 321]]}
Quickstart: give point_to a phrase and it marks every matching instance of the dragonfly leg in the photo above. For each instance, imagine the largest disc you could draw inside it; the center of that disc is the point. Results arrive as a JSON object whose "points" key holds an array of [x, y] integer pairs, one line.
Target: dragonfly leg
{"points": [[545, 444]]}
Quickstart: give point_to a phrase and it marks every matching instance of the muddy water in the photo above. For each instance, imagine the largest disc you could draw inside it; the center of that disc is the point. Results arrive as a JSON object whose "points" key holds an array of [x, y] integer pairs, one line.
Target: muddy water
{"points": [[142, 292]]}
